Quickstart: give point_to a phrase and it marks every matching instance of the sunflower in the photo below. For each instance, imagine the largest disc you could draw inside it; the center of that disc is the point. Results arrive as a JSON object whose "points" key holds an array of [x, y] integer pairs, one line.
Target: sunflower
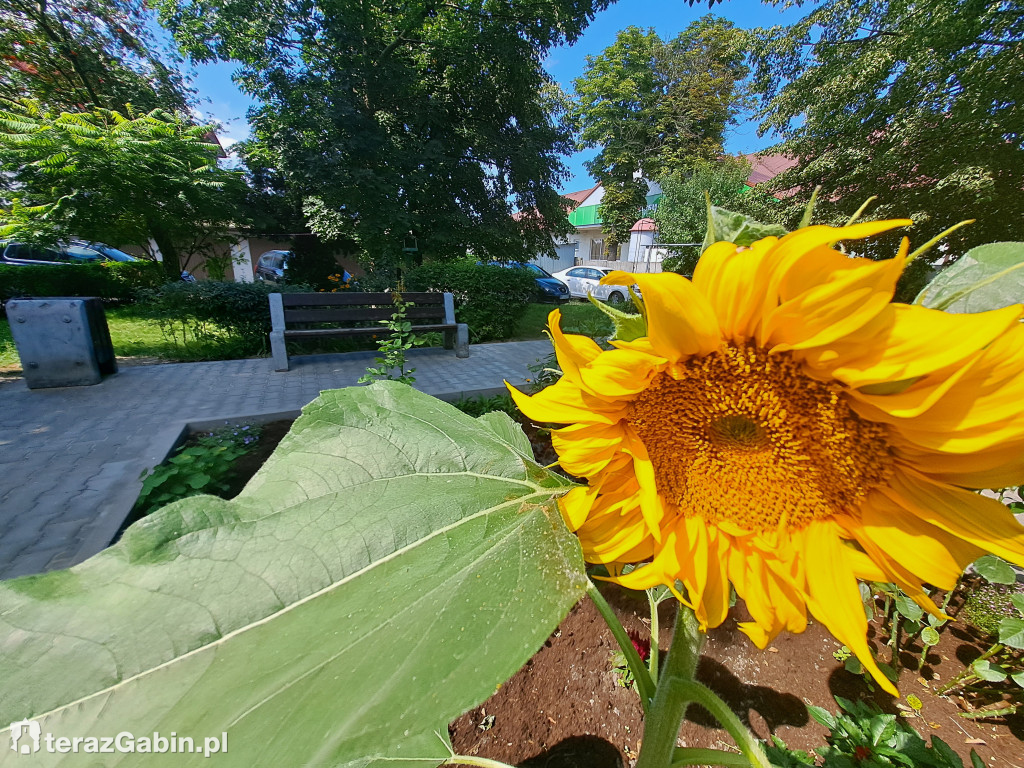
{"points": [[784, 427]]}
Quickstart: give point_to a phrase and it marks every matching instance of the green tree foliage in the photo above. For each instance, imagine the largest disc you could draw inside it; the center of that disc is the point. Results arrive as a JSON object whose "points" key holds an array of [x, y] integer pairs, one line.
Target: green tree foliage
{"points": [[121, 179], [656, 107], [916, 102], [76, 55], [682, 214], [395, 118]]}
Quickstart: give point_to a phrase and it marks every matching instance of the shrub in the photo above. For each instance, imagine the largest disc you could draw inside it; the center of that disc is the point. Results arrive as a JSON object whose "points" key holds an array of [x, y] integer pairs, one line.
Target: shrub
{"points": [[211, 310], [489, 299], [112, 281]]}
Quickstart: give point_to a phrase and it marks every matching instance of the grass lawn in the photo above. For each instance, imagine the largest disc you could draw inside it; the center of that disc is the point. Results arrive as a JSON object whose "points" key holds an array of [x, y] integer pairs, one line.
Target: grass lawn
{"points": [[132, 333], [578, 316], [135, 335]]}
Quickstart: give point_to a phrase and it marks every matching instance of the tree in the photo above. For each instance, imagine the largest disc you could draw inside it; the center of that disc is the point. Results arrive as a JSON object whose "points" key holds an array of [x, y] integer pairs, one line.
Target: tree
{"points": [[916, 102], [682, 214], [654, 107], [121, 179], [76, 55], [403, 125]]}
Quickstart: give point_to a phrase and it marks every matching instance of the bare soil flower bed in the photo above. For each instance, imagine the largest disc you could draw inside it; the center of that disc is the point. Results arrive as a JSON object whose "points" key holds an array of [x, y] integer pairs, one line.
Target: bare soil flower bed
{"points": [[566, 708]]}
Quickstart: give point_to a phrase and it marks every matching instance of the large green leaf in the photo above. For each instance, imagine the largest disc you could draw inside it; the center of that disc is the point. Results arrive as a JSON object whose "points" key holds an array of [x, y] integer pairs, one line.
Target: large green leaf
{"points": [[987, 277], [736, 228], [391, 564], [995, 569]]}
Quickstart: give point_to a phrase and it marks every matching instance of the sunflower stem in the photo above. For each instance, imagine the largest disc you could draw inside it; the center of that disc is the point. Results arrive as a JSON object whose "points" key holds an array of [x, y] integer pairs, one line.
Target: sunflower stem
{"points": [[695, 756], [653, 657], [644, 681], [661, 727], [477, 762], [745, 740]]}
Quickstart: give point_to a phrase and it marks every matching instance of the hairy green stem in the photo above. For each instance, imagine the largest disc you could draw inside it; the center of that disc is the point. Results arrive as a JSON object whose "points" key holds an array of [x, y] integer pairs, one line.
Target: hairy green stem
{"points": [[478, 762], [696, 756], [644, 681], [652, 663], [749, 746], [661, 727]]}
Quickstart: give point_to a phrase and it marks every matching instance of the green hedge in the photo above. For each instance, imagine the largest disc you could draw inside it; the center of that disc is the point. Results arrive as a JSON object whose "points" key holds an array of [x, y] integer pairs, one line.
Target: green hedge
{"points": [[489, 299], [210, 309], [113, 281]]}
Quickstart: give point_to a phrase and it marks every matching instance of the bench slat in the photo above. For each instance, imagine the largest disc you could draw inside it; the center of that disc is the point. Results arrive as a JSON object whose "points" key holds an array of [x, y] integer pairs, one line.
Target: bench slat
{"points": [[357, 331], [357, 315], [355, 299]]}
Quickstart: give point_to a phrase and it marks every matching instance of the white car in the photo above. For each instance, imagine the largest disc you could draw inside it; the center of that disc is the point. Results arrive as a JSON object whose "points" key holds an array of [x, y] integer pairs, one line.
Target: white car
{"points": [[586, 280]]}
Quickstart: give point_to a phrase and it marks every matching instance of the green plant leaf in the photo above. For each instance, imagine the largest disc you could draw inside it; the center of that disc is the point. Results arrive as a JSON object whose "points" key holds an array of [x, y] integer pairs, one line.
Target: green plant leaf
{"points": [[822, 716], [987, 277], [908, 608], [929, 636], [392, 563], [1018, 602], [995, 570], [502, 425], [1011, 632], [736, 228], [199, 480], [986, 670], [627, 326], [867, 599]]}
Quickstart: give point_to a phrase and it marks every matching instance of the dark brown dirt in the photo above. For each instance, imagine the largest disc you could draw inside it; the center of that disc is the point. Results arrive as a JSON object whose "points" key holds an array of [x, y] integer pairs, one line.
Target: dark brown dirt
{"points": [[565, 709]]}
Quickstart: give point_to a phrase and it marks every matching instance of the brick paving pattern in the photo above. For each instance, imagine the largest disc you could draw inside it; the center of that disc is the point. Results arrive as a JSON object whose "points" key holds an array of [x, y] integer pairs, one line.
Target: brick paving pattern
{"points": [[71, 458]]}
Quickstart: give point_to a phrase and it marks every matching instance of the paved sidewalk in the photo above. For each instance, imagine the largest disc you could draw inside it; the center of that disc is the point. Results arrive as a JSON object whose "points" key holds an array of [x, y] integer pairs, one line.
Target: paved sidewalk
{"points": [[71, 458]]}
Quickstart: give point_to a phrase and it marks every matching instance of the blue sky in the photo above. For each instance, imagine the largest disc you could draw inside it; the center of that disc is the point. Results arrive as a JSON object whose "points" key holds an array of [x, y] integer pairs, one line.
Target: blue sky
{"points": [[222, 100]]}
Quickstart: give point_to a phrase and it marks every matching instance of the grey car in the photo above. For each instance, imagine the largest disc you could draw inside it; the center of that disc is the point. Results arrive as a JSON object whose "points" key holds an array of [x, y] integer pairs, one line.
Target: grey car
{"points": [[73, 252]]}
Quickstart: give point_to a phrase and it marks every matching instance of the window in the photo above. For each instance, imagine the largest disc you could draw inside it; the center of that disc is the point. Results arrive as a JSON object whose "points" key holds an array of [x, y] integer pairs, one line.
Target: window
{"points": [[596, 249], [77, 253], [23, 251]]}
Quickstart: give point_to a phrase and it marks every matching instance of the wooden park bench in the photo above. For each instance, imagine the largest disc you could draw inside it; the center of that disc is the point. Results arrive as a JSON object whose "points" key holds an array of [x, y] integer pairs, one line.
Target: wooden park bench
{"points": [[329, 315]]}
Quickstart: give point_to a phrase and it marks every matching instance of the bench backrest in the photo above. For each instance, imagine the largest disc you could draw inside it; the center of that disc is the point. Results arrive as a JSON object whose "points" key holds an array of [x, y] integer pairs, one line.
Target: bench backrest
{"points": [[350, 308]]}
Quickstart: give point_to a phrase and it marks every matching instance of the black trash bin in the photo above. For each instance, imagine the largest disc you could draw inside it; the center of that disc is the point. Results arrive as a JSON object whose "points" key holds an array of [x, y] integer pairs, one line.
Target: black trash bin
{"points": [[62, 341]]}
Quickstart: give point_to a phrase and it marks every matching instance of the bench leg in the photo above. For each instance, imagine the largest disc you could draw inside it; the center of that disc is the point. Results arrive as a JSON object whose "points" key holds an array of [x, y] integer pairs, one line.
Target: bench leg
{"points": [[462, 340], [449, 339], [278, 350]]}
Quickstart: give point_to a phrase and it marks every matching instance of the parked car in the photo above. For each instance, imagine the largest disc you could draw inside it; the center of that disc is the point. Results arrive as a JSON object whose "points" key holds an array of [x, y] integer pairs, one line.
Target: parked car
{"points": [[272, 267], [584, 281], [73, 252], [549, 287]]}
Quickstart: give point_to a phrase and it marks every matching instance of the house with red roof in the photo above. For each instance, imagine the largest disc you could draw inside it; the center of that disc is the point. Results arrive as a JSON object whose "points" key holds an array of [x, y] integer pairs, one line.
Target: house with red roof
{"points": [[586, 245]]}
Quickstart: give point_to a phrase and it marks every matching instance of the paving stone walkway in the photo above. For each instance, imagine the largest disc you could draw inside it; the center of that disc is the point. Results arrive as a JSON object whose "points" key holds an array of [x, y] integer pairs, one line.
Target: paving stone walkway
{"points": [[71, 458]]}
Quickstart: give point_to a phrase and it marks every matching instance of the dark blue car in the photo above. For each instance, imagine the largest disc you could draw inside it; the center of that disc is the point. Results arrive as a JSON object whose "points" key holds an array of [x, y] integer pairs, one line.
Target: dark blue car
{"points": [[551, 288]]}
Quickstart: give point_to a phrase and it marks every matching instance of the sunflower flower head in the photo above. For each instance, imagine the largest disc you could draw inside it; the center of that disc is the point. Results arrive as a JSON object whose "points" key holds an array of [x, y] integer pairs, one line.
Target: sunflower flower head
{"points": [[785, 428]]}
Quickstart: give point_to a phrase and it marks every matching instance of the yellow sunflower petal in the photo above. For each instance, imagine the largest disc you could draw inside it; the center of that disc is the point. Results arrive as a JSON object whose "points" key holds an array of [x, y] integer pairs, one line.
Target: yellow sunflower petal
{"points": [[650, 502], [571, 350], [680, 321], [563, 403], [734, 283], [575, 506], [933, 554], [620, 372], [834, 596], [848, 294], [997, 467], [904, 342], [796, 245], [584, 450], [663, 569], [976, 519]]}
